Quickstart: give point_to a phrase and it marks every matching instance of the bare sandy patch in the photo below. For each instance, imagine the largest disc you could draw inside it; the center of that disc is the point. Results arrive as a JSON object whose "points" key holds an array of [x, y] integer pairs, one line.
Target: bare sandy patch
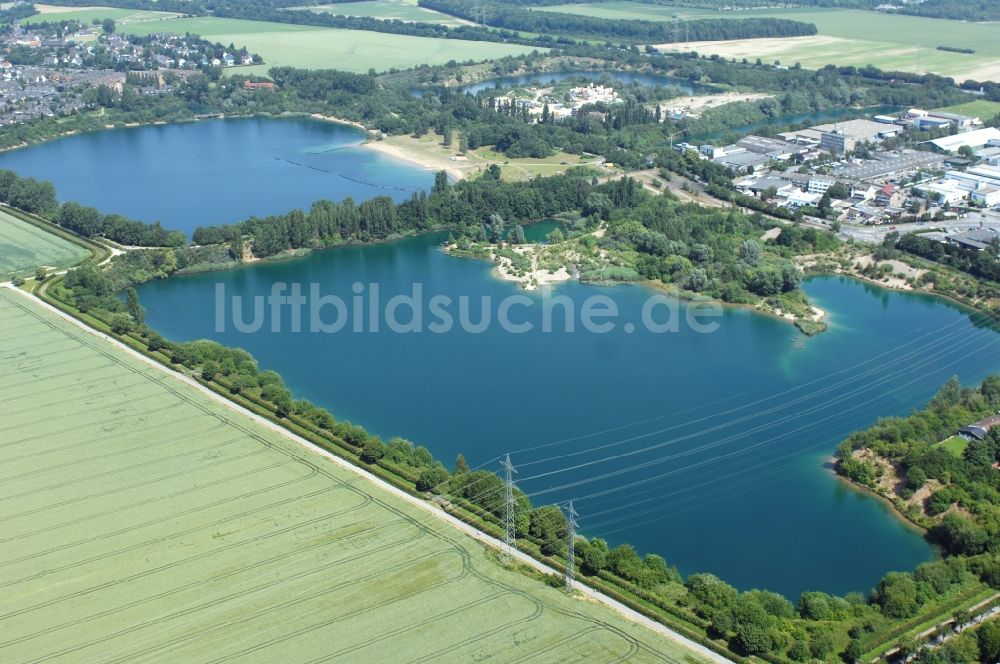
{"points": [[701, 103], [899, 276], [535, 277], [56, 9], [987, 71], [756, 48]]}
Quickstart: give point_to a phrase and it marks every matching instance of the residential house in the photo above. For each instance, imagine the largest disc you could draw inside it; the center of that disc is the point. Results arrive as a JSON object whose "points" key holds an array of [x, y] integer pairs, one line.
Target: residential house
{"points": [[889, 195]]}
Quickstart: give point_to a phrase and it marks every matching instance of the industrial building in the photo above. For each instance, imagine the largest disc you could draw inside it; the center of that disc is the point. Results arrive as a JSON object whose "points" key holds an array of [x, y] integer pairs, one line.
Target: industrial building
{"points": [[988, 137]]}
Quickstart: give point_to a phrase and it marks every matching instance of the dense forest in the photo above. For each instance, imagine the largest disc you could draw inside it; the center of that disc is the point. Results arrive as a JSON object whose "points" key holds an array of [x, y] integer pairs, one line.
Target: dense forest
{"points": [[960, 10], [980, 264], [15, 12], [690, 247]]}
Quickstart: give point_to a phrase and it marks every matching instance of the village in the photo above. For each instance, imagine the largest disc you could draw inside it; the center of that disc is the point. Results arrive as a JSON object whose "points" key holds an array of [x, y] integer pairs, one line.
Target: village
{"points": [[45, 69]]}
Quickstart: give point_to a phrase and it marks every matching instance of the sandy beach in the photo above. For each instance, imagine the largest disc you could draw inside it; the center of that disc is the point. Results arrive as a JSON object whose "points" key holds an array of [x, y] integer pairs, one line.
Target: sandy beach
{"points": [[456, 170]]}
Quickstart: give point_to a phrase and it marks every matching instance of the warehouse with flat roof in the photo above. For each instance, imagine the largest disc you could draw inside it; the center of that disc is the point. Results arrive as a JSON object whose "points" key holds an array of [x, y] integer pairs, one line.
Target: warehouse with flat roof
{"points": [[973, 139]]}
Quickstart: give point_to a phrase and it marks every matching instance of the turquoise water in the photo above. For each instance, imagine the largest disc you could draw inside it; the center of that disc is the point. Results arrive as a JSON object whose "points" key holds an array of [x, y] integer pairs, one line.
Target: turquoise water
{"points": [[216, 171], [708, 449]]}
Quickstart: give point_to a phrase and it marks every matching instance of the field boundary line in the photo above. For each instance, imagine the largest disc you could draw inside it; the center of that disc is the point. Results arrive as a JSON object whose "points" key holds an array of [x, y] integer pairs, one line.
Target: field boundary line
{"points": [[454, 522]]}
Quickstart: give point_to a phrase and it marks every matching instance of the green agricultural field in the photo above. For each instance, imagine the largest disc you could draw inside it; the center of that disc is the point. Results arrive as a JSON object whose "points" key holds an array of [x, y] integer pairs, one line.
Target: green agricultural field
{"points": [[143, 521], [981, 108], [623, 9], [308, 47], [846, 37], [88, 14], [24, 247], [401, 10]]}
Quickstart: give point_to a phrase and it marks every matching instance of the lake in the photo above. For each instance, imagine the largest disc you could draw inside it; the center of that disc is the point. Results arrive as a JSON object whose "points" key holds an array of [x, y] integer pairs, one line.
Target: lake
{"points": [[707, 448], [216, 171]]}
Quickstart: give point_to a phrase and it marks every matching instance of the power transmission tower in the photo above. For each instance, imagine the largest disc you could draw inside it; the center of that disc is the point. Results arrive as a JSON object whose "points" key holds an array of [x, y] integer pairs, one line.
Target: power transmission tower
{"points": [[479, 13], [509, 506], [571, 545]]}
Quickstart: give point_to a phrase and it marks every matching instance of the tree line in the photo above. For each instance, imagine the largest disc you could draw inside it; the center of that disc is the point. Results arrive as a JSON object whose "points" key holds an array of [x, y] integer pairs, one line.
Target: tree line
{"points": [[463, 207], [39, 197], [513, 17]]}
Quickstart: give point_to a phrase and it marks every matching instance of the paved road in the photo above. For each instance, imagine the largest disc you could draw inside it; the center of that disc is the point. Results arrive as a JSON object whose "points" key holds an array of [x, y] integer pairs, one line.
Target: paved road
{"points": [[876, 234], [976, 620], [428, 507]]}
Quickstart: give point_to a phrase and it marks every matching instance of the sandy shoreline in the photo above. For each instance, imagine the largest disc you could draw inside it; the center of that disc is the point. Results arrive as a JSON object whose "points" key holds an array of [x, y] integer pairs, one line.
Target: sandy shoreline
{"points": [[399, 152], [396, 151], [534, 278]]}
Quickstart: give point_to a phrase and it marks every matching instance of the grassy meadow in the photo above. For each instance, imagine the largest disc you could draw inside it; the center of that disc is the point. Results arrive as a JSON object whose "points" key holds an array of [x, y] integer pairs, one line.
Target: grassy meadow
{"points": [[309, 47], [24, 247], [400, 10], [89, 14], [143, 521], [955, 445], [981, 108], [846, 37]]}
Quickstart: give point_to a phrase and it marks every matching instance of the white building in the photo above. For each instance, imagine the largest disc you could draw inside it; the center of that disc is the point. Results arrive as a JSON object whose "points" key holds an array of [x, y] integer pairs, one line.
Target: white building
{"points": [[988, 196], [946, 192], [973, 139], [819, 185], [803, 198], [989, 175]]}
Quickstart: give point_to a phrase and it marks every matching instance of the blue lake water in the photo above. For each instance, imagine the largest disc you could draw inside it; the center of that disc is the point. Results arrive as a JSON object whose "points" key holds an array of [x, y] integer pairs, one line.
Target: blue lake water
{"points": [[709, 449], [216, 171]]}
